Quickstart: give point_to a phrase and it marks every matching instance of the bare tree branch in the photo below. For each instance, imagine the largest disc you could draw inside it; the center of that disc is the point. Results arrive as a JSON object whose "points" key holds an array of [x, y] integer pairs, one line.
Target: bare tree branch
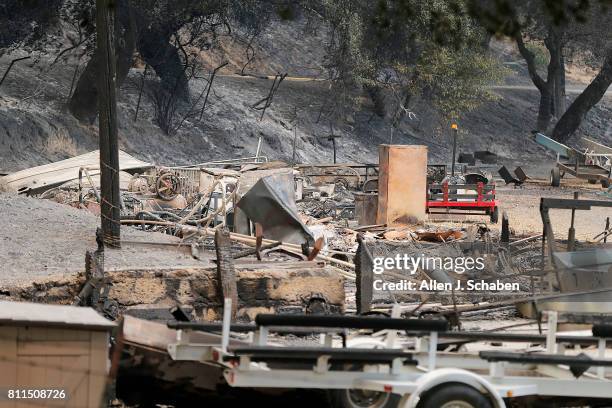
{"points": [[267, 101], [11, 66]]}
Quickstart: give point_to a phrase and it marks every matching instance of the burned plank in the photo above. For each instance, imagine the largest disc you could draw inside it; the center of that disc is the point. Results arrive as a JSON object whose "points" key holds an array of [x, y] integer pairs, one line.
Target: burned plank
{"points": [[226, 272], [365, 276]]}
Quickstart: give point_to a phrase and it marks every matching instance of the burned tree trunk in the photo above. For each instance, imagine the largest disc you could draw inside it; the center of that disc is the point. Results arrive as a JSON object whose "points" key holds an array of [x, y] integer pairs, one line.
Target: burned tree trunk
{"points": [[155, 48], [559, 105], [554, 85], [545, 108], [556, 71], [83, 102], [571, 120], [378, 100]]}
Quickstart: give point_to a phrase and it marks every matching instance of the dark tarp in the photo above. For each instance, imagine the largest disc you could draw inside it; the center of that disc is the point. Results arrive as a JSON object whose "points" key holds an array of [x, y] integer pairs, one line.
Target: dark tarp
{"points": [[271, 203]]}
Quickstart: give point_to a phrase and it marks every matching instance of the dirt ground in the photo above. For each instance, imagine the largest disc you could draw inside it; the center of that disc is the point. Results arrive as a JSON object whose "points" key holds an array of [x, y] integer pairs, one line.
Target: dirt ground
{"points": [[36, 128], [522, 204], [523, 208], [40, 239]]}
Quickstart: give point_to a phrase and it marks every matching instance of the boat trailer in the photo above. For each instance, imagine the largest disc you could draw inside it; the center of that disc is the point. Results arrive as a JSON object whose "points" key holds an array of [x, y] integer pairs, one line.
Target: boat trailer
{"points": [[419, 373], [589, 164]]}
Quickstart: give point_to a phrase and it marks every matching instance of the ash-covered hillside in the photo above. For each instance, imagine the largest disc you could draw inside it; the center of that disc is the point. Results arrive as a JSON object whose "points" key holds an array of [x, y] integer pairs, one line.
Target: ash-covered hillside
{"points": [[36, 126]]}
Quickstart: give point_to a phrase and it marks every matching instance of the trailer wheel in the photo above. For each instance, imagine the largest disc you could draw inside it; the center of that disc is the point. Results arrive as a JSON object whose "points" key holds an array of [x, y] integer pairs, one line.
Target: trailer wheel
{"points": [[555, 177], [454, 396], [605, 183], [495, 215], [363, 399], [342, 182]]}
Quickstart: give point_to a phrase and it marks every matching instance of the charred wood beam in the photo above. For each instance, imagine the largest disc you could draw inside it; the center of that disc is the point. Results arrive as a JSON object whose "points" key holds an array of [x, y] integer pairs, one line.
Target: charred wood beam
{"points": [[364, 265], [226, 272], [253, 251]]}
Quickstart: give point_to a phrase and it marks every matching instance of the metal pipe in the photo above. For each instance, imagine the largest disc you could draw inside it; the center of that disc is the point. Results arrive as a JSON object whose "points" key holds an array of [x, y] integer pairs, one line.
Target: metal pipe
{"points": [[571, 234], [258, 149], [455, 130], [227, 320]]}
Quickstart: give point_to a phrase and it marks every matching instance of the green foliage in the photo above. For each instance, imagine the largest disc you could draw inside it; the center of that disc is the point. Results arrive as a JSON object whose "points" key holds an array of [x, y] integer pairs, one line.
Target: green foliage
{"points": [[430, 49], [499, 16], [540, 53], [456, 81]]}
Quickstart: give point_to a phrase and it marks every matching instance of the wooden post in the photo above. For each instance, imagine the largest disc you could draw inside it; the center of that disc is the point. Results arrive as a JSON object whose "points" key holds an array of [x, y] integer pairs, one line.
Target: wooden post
{"points": [[505, 230], [365, 277], [107, 105], [225, 268]]}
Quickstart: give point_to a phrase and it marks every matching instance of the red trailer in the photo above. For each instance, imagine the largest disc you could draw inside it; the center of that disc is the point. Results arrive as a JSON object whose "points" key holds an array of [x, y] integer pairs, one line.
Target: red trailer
{"points": [[463, 199]]}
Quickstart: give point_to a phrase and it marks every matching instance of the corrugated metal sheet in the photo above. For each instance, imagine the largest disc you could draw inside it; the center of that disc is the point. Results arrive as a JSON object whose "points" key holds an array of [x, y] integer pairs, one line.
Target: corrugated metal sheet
{"points": [[40, 178]]}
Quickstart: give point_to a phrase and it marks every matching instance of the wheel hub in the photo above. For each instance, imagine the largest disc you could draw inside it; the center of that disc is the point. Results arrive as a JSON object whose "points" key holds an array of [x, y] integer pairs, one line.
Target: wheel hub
{"points": [[457, 404], [367, 398]]}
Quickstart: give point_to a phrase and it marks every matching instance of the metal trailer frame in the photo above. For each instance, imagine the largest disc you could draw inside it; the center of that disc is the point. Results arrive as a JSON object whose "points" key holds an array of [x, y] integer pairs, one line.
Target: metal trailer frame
{"points": [[482, 202], [548, 235], [579, 167], [353, 175], [432, 369], [591, 172]]}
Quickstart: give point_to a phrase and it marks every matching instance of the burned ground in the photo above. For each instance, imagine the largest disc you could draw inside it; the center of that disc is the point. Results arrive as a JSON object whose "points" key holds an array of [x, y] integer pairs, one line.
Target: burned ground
{"points": [[36, 127]]}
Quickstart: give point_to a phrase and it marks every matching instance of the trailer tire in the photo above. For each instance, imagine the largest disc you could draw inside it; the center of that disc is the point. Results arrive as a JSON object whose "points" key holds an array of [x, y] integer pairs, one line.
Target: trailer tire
{"points": [[555, 177], [454, 396], [605, 183], [363, 399], [495, 215]]}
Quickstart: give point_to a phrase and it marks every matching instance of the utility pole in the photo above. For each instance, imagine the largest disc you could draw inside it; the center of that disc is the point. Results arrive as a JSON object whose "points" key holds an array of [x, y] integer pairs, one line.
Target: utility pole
{"points": [[455, 129], [107, 106]]}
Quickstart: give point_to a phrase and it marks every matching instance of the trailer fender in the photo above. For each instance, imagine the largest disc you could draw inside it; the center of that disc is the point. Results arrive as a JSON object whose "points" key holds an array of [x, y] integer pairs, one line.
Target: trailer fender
{"points": [[450, 375]]}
